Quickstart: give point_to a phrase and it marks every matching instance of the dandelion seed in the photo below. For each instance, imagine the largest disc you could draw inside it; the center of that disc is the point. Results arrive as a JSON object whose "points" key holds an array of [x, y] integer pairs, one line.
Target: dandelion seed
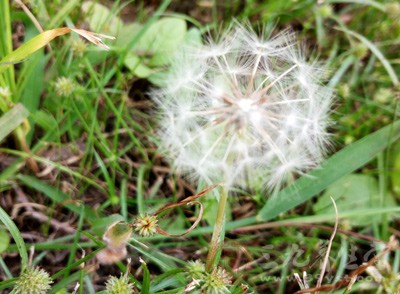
{"points": [[244, 110]]}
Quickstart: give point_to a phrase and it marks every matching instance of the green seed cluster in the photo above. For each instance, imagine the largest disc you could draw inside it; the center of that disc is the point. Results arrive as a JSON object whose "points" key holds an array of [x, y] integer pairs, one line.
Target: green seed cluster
{"points": [[33, 281], [119, 286]]}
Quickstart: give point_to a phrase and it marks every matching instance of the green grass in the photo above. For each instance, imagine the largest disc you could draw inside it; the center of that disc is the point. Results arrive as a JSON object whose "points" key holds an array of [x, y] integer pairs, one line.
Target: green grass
{"points": [[96, 150]]}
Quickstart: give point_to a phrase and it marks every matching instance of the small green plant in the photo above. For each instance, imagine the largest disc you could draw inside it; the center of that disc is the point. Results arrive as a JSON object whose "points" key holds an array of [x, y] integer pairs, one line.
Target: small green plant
{"points": [[9, 93], [82, 162]]}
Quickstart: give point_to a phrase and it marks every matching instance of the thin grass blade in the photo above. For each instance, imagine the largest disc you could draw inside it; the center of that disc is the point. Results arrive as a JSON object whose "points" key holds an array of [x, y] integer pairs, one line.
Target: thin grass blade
{"points": [[15, 233]]}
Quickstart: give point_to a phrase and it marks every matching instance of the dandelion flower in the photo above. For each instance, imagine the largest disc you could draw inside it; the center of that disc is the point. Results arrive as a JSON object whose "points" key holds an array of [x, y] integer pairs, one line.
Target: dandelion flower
{"points": [[246, 110]]}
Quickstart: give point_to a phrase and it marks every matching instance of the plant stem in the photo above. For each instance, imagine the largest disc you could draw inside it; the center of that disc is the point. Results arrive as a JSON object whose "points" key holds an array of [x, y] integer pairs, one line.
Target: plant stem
{"points": [[20, 139], [216, 241]]}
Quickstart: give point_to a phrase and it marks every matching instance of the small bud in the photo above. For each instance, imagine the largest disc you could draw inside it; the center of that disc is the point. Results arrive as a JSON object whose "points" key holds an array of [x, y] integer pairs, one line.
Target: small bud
{"points": [[361, 50], [244, 288], [325, 11], [78, 47], [383, 95], [393, 10], [64, 86], [217, 282], [120, 285], [344, 91], [196, 269], [146, 225], [348, 139], [33, 281]]}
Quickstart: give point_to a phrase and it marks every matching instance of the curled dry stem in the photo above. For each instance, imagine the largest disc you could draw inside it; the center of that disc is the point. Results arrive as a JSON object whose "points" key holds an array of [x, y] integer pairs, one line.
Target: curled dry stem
{"points": [[191, 200]]}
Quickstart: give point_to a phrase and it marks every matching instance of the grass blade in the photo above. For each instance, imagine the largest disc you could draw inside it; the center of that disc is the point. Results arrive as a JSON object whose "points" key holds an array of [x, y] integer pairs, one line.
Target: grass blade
{"points": [[146, 279], [376, 51], [42, 40], [12, 119], [56, 195], [340, 164], [10, 225]]}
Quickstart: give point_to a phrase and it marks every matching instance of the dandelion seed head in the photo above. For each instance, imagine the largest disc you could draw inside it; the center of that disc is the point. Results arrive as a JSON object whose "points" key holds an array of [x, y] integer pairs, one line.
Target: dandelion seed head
{"points": [[244, 109]]}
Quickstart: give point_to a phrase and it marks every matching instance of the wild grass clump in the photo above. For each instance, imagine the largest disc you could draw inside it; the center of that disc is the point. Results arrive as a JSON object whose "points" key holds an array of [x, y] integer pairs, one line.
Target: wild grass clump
{"points": [[188, 120]]}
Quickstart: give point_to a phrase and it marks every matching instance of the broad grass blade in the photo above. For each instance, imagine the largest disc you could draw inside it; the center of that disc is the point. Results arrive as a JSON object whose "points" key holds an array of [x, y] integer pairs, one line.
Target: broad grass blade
{"points": [[340, 164], [12, 119]]}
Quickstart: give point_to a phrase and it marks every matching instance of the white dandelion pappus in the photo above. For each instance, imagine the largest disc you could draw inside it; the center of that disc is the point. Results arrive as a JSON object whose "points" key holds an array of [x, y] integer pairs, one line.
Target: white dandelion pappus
{"points": [[245, 110]]}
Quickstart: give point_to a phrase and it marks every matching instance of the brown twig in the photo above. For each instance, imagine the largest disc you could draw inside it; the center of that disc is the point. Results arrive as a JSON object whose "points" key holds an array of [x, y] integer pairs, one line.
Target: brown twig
{"points": [[187, 201], [349, 279], [323, 268]]}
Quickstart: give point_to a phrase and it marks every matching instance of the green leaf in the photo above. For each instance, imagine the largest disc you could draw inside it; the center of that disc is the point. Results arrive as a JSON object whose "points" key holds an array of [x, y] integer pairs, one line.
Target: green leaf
{"points": [[193, 37], [44, 119], [340, 164], [156, 47], [30, 47], [63, 13], [323, 218], [137, 66], [12, 119], [4, 240], [100, 18], [118, 234], [12, 228], [127, 34], [394, 159], [354, 190], [146, 279], [100, 224], [162, 39]]}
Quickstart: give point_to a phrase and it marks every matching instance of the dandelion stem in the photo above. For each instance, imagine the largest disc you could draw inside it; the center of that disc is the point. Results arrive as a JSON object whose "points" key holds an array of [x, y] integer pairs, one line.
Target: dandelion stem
{"points": [[216, 240]]}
